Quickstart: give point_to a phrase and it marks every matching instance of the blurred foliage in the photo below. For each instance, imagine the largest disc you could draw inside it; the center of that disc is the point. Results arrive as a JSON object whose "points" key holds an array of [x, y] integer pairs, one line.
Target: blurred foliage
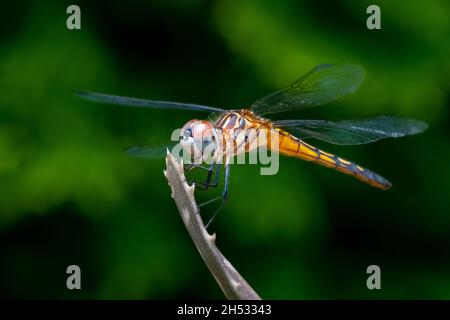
{"points": [[69, 195]]}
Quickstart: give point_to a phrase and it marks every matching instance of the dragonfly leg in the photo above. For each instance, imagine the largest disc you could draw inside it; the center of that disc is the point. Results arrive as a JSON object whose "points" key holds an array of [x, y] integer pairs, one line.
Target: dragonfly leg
{"points": [[216, 176], [223, 197], [207, 183], [227, 179], [190, 166], [210, 201], [213, 216]]}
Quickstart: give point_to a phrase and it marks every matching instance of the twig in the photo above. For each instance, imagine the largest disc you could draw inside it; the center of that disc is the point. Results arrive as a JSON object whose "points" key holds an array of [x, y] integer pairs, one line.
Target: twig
{"points": [[230, 281]]}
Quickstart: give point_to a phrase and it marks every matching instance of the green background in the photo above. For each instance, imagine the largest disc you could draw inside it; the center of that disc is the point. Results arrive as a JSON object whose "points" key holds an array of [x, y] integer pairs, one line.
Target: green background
{"points": [[70, 195]]}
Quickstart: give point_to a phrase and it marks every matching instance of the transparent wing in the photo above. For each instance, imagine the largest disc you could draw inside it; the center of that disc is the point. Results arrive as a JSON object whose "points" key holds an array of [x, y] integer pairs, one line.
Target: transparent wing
{"points": [[152, 150], [322, 84], [142, 103], [353, 132]]}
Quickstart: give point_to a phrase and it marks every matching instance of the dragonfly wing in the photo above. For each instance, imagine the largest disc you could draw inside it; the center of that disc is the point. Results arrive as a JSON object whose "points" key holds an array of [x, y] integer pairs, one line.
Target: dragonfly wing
{"points": [[321, 85], [142, 103], [353, 132]]}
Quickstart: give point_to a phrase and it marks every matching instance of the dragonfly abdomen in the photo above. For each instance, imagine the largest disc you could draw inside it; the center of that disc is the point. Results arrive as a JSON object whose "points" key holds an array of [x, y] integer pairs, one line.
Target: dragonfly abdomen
{"points": [[291, 146]]}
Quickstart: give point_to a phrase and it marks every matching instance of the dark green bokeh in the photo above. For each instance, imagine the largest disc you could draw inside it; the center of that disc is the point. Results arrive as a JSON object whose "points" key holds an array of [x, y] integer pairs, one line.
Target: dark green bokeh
{"points": [[69, 195]]}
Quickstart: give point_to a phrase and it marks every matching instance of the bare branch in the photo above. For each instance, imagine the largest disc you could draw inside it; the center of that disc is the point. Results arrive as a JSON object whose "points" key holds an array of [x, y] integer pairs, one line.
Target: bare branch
{"points": [[230, 281]]}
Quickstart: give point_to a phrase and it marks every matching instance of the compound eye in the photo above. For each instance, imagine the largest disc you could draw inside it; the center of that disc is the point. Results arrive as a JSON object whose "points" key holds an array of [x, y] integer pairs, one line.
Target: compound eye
{"points": [[186, 134]]}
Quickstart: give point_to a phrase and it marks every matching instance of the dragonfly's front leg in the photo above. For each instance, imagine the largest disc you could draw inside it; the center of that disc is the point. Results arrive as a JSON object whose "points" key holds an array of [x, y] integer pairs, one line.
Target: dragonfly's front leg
{"points": [[207, 183], [224, 196]]}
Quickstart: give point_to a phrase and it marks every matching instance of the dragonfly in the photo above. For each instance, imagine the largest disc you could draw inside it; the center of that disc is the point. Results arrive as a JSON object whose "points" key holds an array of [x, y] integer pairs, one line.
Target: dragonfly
{"points": [[323, 84]]}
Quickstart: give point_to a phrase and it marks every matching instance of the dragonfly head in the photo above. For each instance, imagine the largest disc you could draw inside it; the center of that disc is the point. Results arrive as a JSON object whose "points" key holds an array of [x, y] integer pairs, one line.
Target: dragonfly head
{"points": [[199, 139]]}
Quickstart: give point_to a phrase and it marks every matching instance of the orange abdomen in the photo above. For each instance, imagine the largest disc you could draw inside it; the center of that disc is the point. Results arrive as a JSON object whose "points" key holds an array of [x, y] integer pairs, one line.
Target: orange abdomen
{"points": [[294, 147]]}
